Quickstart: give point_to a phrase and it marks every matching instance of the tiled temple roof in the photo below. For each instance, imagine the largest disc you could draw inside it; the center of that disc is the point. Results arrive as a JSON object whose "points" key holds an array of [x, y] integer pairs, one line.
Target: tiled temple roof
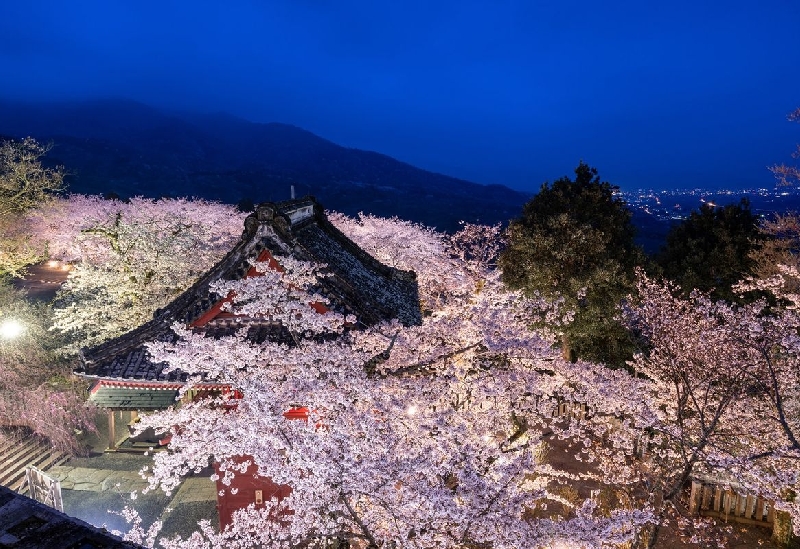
{"points": [[358, 284]]}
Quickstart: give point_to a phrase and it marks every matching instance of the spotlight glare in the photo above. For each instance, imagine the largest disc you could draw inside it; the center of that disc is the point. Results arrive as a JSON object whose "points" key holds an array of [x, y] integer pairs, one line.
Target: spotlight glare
{"points": [[11, 329]]}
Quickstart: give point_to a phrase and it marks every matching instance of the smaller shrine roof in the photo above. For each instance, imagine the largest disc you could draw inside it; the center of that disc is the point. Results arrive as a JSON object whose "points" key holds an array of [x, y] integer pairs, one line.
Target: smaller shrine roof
{"points": [[134, 396]]}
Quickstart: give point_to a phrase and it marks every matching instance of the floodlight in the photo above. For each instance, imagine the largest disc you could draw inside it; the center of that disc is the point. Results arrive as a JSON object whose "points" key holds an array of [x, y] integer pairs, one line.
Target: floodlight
{"points": [[11, 328]]}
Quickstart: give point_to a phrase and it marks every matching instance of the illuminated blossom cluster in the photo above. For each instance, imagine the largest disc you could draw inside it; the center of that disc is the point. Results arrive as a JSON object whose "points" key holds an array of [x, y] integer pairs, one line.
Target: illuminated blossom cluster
{"points": [[432, 435], [129, 258], [416, 436]]}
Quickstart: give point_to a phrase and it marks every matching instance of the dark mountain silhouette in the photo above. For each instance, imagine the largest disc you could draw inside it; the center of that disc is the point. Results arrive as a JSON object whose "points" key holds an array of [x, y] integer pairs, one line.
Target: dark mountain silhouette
{"points": [[127, 148]]}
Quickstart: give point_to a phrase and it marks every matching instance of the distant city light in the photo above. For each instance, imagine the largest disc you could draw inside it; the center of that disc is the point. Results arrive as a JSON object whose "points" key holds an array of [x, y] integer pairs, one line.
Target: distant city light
{"points": [[661, 204], [11, 328]]}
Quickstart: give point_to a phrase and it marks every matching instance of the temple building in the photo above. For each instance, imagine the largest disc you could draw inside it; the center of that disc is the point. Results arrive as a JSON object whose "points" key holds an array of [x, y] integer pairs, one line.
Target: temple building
{"points": [[126, 382]]}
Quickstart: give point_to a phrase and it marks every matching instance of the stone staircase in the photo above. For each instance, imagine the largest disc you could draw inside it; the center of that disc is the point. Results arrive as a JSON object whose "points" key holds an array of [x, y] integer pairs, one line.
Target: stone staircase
{"points": [[16, 455]]}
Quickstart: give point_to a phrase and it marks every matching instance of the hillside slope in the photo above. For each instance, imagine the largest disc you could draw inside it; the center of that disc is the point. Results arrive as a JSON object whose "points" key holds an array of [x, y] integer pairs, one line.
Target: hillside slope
{"points": [[127, 148]]}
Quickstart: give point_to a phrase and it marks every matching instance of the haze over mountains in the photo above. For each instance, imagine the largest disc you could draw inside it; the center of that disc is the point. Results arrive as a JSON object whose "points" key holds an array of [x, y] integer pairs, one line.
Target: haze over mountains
{"points": [[127, 148]]}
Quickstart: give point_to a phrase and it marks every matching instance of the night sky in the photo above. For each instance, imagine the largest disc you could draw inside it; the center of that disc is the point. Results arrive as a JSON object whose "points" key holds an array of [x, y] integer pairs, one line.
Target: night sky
{"points": [[672, 94]]}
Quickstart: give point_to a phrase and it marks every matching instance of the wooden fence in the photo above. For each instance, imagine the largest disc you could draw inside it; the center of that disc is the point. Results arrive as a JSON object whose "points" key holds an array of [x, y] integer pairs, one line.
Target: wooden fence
{"points": [[713, 500], [572, 410], [44, 489]]}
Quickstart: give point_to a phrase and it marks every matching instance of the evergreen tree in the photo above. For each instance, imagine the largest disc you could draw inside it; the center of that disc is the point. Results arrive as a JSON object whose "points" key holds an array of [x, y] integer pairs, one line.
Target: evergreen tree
{"points": [[712, 249], [575, 240]]}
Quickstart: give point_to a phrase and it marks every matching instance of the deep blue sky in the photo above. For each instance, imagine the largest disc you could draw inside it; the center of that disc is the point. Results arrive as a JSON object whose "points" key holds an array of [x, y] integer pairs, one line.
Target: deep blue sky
{"points": [[654, 94]]}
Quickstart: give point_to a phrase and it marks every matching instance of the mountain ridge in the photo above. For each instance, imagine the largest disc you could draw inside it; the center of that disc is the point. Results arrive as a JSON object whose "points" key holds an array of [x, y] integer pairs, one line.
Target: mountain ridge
{"points": [[128, 148]]}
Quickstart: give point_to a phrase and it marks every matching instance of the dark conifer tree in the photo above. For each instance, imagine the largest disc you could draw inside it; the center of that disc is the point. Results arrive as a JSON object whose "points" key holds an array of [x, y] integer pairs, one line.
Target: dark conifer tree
{"points": [[712, 249], [575, 239]]}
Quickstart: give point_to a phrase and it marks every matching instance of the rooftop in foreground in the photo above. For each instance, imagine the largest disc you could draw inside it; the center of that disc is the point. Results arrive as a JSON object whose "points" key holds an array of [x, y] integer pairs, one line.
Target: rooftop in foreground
{"points": [[28, 524]]}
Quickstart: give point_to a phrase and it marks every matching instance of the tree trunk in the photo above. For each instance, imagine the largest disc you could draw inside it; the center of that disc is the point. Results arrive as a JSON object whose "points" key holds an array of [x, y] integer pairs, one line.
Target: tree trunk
{"points": [[782, 529], [567, 352], [653, 537]]}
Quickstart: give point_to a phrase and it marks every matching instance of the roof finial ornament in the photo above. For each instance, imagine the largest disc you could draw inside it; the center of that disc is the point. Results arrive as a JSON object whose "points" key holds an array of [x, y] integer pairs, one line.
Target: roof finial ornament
{"points": [[291, 187]]}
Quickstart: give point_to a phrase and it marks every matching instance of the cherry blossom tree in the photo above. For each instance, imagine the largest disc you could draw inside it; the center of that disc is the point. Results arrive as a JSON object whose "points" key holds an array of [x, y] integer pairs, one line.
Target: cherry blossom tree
{"points": [[778, 252], [129, 258], [411, 246], [420, 436], [36, 392], [715, 395], [784, 173]]}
